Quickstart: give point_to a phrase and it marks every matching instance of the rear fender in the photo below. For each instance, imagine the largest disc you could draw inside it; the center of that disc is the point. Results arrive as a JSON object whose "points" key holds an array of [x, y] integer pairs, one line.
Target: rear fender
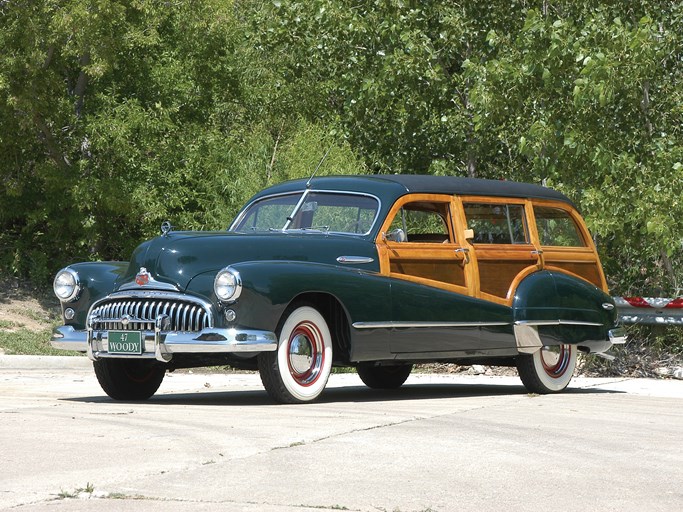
{"points": [[550, 308]]}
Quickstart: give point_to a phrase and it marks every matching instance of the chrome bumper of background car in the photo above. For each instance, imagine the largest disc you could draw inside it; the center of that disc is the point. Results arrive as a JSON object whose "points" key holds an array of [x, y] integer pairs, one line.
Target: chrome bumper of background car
{"points": [[162, 345], [617, 336], [649, 310]]}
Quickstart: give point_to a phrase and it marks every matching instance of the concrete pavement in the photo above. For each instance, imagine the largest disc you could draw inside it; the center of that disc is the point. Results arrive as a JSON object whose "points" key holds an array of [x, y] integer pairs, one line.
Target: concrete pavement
{"points": [[440, 443]]}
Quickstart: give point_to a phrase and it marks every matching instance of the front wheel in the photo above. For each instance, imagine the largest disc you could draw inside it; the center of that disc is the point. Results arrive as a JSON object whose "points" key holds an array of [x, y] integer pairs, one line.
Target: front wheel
{"points": [[299, 369], [547, 370], [383, 377], [129, 379]]}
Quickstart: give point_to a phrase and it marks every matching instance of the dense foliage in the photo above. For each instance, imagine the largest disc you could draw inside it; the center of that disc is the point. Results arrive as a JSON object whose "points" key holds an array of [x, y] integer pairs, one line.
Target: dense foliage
{"points": [[118, 114]]}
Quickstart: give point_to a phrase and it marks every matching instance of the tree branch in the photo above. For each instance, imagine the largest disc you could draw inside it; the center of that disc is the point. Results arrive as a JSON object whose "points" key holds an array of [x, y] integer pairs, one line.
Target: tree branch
{"points": [[269, 169], [81, 84], [51, 145], [645, 107]]}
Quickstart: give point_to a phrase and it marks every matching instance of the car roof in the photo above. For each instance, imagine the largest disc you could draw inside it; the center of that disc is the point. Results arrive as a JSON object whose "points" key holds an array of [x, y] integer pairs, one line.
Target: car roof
{"points": [[396, 185]]}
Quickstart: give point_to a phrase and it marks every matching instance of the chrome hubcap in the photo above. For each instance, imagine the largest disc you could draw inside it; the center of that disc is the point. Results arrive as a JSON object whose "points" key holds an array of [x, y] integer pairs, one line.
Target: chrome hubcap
{"points": [[300, 354], [305, 353]]}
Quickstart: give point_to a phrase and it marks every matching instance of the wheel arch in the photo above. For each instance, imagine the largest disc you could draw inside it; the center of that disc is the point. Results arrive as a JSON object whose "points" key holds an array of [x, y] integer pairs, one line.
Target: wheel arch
{"points": [[342, 295], [336, 316]]}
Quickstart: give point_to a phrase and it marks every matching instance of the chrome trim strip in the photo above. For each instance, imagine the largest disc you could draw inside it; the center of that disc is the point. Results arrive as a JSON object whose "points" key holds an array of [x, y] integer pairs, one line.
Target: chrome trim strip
{"points": [[162, 345], [401, 325], [354, 260], [558, 322]]}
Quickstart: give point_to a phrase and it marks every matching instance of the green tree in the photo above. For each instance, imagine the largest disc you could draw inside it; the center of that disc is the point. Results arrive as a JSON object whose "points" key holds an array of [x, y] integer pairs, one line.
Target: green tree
{"points": [[584, 96], [120, 114]]}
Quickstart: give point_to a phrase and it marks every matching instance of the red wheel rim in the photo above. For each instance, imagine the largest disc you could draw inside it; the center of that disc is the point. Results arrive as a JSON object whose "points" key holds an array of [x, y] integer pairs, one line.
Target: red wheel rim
{"points": [[305, 353], [556, 363]]}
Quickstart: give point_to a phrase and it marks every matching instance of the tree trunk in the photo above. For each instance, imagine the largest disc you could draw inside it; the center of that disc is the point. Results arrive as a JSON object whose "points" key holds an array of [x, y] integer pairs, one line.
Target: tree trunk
{"points": [[81, 84], [51, 145], [645, 107]]}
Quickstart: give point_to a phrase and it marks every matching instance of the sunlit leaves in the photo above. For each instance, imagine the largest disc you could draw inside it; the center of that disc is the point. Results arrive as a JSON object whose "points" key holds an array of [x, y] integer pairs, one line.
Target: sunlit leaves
{"points": [[119, 114]]}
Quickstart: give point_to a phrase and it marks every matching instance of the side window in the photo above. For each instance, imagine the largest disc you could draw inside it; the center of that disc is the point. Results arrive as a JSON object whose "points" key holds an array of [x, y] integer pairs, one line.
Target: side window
{"points": [[423, 222], [269, 213], [336, 212], [497, 223], [557, 228]]}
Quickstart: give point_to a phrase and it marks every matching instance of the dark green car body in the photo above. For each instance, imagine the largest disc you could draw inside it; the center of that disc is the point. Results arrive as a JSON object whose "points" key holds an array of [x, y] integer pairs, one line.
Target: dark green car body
{"points": [[373, 313]]}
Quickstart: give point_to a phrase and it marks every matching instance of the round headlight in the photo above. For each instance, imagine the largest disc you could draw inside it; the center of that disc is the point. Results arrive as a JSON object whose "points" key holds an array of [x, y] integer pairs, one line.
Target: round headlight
{"points": [[67, 285], [227, 284]]}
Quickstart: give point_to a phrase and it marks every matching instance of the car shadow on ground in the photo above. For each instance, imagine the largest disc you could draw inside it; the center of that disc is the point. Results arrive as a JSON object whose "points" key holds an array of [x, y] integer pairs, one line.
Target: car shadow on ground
{"points": [[347, 394]]}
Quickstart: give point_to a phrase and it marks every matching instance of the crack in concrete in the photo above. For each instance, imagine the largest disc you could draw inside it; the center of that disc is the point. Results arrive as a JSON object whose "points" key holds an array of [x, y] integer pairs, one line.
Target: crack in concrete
{"points": [[141, 497], [376, 427]]}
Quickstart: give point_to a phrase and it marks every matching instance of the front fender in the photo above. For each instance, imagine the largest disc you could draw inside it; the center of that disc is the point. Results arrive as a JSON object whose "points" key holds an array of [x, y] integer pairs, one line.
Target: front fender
{"points": [[97, 279], [270, 286]]}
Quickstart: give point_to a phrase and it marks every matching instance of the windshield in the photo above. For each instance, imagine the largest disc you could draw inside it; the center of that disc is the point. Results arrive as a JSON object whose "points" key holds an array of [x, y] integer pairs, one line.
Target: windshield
{"points": [[320, 211]]}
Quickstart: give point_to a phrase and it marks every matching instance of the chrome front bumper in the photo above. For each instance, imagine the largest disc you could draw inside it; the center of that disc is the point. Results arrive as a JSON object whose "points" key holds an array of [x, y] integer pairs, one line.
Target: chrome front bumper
{"points": [[162, 345]]}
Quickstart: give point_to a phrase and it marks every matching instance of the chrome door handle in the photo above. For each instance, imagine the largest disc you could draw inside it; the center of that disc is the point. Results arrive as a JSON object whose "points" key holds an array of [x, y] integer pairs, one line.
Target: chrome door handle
{"points": [[466, 252]]}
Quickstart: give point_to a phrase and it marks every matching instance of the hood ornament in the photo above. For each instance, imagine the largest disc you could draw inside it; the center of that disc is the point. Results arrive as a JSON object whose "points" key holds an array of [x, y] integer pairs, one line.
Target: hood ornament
{"points": [[142, 277], [166, 228]]}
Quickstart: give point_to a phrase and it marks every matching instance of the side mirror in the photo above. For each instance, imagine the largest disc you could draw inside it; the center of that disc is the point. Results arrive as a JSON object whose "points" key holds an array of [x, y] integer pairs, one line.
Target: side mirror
{"points": [[396, 235]]}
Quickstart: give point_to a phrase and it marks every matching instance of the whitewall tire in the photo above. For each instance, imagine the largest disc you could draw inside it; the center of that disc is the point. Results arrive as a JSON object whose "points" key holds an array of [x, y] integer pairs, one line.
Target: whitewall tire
{"points": [[298, 371], [548, 370]]}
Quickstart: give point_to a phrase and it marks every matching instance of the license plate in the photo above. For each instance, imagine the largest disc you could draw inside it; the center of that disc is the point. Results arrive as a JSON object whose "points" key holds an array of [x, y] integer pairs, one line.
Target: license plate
{"points": [[125, 342]]}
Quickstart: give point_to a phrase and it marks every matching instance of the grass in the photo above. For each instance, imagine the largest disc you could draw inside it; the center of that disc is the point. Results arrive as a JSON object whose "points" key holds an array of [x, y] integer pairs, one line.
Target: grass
{"points": [[6, 324], [89, 488], [25, 342]]}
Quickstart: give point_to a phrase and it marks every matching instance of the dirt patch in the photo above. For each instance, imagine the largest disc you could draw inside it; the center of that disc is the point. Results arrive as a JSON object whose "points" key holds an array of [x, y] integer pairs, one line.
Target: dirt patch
{"points": [[25, 307]]}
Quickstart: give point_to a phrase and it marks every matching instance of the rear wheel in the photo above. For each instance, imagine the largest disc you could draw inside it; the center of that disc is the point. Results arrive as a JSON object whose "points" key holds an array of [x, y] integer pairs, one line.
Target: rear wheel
{"points": [[129, 379], [383, 377], [547, 370], [299, 369]]}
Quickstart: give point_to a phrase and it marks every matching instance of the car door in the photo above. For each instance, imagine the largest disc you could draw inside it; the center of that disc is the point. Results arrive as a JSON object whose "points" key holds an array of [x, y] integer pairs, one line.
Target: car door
{"points": [[431, 281], [500, 244]]}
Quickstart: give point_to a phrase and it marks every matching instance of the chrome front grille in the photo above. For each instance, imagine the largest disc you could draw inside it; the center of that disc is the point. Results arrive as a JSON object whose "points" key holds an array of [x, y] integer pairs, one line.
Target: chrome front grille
{"points": [[141, 314]]}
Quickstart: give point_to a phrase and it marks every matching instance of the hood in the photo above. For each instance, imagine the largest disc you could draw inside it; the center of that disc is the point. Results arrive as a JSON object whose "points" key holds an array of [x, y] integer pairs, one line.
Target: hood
{"points": [[177, 258]]}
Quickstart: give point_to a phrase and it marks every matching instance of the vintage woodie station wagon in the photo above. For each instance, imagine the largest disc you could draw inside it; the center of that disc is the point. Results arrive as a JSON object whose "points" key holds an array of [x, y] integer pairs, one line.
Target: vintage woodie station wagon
{"points": [[372, 272]]}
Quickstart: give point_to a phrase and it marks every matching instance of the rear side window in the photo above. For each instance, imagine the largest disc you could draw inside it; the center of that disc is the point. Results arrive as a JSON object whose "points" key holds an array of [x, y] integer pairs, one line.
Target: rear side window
{"points": [[557, 228], [497, 223]]}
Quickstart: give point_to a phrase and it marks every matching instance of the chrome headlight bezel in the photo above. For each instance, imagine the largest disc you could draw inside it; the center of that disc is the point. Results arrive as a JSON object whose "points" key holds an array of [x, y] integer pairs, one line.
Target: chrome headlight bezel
{"points": [[227, 285], [68, 283]]}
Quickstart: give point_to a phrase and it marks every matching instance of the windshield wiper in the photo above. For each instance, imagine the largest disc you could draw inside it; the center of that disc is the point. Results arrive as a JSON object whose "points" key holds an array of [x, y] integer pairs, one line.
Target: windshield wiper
{"points": [[316, 229]]}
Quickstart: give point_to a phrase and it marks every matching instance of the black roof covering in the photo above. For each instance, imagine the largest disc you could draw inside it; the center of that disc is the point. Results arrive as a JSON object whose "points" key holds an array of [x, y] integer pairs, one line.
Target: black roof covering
{"points": [[428, 184], [396, 185]]}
